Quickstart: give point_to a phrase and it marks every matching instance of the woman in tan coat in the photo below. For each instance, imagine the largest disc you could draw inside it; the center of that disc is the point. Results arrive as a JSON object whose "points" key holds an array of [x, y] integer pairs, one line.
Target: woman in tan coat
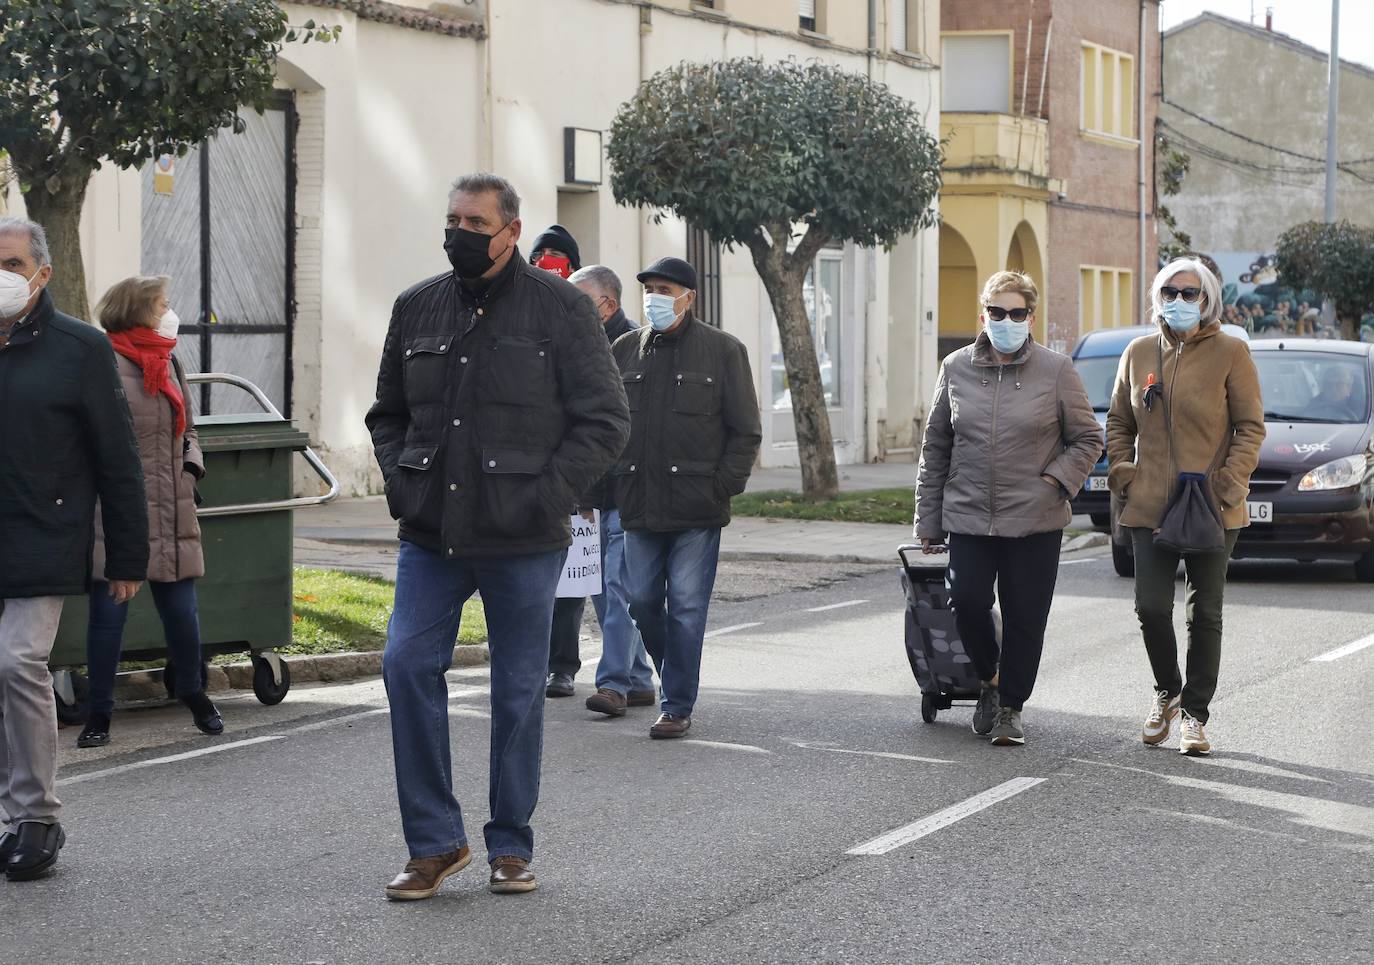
{"points": [[1187, 400], [143, 329]]}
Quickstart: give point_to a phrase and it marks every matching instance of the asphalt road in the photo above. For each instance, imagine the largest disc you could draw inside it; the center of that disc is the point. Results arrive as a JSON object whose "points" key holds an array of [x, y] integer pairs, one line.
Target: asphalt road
{"points": [[734, 846]]}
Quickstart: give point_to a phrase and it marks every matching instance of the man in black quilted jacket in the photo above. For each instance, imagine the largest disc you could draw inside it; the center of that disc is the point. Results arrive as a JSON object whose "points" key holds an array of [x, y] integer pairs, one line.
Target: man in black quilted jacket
{"points": [[66, 439], [498, 404]]}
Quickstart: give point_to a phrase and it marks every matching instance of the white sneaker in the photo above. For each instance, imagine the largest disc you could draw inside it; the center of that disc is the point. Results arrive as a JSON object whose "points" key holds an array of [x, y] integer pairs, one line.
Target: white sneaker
{"points": [[1162, 712], [1194, 742]]}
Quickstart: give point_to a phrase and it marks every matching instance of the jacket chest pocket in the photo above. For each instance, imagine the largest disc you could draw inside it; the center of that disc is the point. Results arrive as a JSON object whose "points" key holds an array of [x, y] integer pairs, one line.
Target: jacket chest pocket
{"points": [[426, 367], [634, 389], [696, 394], [517, 371]]}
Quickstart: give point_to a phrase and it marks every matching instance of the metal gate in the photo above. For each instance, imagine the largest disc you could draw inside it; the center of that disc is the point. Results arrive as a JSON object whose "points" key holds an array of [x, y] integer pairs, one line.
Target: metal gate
{"points": [[222, 226]]}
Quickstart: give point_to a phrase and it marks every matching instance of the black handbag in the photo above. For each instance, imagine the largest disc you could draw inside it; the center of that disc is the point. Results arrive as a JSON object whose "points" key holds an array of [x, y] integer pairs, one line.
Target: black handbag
{"points": [[1192, 519]]}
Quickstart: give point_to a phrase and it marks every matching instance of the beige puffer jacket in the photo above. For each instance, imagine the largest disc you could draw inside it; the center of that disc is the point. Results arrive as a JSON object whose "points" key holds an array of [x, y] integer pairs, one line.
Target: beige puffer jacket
{"points": [[1215, 406], [993, 431], [174, 550]]}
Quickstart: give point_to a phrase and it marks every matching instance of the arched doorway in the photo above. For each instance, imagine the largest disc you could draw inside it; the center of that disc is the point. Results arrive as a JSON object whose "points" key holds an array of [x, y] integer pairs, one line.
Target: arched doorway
{"points": [[958, 323], [1023, 255]]}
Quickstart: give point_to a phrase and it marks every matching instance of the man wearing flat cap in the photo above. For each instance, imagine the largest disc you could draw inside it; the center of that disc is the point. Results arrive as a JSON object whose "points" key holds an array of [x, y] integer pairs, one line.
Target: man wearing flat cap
{"points": [[694, 435]]}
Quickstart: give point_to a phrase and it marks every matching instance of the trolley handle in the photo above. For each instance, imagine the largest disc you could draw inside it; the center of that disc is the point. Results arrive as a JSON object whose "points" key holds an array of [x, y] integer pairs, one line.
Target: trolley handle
{"points": [[906, 548], [311, 458]]}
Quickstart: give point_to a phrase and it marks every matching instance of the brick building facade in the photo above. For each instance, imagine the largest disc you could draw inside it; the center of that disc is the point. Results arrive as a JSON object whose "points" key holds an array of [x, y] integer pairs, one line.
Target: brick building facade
{"points": [[1074, 72]]}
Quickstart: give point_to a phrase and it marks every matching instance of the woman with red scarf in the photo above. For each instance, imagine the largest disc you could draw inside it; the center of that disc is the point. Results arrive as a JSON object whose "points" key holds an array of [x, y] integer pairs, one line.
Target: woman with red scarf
{"points": [[143, 331]]}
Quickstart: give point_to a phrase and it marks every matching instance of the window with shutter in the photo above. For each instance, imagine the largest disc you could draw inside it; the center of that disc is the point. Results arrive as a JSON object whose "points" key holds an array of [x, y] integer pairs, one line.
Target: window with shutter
{"points": [[807, 12]]}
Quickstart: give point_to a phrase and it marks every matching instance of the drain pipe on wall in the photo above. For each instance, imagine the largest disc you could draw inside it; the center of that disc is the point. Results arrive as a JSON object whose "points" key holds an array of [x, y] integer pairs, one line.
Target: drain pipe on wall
{"points": [[1140, 122]]}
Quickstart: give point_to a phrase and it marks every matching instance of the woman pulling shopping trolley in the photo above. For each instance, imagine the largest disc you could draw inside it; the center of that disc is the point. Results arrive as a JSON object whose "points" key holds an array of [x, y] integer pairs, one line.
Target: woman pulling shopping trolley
{"points": [[1011, 435]]}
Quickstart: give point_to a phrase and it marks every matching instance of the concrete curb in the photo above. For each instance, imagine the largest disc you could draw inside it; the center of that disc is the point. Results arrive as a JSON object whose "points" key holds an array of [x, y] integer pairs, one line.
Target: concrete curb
{"points": [[321, 668]]}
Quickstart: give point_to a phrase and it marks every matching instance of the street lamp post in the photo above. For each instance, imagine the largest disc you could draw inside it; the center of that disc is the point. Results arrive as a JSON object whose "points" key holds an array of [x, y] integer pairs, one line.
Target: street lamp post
{"points": [[1332, 99]]}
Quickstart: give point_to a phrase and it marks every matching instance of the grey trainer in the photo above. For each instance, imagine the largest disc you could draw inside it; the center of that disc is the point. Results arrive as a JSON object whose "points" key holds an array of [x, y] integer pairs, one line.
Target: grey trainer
{"points": [[986, 712], [1006, 729]]}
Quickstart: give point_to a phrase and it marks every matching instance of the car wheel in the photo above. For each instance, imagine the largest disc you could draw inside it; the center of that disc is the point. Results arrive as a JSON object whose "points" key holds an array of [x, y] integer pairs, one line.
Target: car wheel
{"points": [[1364, 568], [1101, 520]]}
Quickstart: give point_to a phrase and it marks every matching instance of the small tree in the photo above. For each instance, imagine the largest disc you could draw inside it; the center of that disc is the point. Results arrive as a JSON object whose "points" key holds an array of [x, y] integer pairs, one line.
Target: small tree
{"points": [[88, 81], [1171, 166], [1336, 260], [782, 158]]}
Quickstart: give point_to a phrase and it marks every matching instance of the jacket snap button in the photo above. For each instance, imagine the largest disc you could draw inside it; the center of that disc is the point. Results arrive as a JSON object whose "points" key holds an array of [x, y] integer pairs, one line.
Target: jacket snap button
{"points": [[457, 422], [424, 461], [632, 468], [709, 381], [452, 487], [481, 311], [450, 551], [492, 464], [443, 348], [675, 469], [464, 360], [59, 502], [409, 351], [541, 353]]}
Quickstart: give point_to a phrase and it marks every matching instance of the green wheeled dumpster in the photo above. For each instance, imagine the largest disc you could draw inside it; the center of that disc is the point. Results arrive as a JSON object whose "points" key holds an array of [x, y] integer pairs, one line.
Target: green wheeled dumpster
{"points": [[245, 514]]}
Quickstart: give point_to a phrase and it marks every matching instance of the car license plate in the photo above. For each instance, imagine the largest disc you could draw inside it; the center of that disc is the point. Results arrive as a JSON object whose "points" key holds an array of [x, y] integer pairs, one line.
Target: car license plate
{"points": [[1261, 512], [1097, 484]]}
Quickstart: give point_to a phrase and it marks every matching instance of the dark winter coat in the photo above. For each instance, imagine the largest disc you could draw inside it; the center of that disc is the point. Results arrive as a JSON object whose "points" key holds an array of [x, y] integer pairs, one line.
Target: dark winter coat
{"points": [[695, 427], [495, 411], [66, 438], [171, 465], [602, 496]]}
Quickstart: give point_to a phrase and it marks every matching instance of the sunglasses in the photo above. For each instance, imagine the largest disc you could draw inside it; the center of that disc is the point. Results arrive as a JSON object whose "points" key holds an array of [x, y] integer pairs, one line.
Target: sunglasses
{"points": [[1169, 293], [997, 314]]}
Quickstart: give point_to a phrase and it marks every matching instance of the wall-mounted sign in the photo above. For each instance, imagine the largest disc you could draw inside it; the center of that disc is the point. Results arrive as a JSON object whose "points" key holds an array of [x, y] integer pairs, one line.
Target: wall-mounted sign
{"points": [[581, 156], [164, 174]]}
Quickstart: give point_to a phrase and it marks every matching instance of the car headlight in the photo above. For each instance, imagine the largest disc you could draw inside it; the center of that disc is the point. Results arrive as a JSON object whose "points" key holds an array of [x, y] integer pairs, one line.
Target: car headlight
{"points": [[1340, 474]]}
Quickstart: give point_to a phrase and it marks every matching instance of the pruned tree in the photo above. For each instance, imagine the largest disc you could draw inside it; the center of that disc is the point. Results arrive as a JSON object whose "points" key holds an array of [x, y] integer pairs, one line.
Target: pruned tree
{"points": [[782, 158], [85, 82], [1336, 260]]}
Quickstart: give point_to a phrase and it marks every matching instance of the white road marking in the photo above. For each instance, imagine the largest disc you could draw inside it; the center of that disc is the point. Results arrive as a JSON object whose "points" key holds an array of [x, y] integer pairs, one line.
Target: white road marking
{"points": [[747, 748], [333, 721], [1254, 768], [836, 606], [1346, 650], [170, 759], [1093, 559], [737, 626], [942, 819], [889, 755]]}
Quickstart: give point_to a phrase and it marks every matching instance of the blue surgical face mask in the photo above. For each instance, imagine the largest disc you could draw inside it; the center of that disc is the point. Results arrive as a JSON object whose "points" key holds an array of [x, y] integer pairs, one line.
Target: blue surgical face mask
{"points": [[1182, 316], [1008, 336], [659, 311]]}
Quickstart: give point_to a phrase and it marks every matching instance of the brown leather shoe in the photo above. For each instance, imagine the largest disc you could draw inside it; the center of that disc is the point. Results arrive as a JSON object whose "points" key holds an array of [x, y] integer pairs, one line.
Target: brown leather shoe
{"points": [[512, 876], [423, 876], [608, 702], [642, 698], [669, 726]]}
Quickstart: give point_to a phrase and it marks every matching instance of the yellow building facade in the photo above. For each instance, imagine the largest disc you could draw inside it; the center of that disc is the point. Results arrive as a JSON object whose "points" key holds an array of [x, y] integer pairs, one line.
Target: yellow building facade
{"points": [[994, 210]]}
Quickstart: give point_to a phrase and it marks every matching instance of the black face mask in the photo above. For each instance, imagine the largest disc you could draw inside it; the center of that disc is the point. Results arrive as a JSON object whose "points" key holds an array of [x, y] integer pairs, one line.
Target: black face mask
{"points": [[467, 251]]}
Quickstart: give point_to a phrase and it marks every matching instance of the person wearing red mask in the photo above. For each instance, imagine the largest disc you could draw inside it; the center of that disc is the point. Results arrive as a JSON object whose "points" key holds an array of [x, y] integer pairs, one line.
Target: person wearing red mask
{"points": [[556, 250]]}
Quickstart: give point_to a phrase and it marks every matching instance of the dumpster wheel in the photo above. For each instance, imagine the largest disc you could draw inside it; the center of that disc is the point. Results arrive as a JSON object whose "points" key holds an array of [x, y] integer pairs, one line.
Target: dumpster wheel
{"points": [[71, 692], [265, 684]]}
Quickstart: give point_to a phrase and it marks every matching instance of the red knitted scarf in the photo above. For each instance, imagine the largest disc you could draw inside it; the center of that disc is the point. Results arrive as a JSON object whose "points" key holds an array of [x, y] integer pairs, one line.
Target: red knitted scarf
{"points": [[153, 353]]}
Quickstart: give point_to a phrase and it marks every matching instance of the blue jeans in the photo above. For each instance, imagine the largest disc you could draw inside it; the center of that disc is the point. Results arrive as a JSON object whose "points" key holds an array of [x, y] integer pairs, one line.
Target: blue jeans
{"points": [[176, 606], [624, 665], [670, 577], [517, 594]]}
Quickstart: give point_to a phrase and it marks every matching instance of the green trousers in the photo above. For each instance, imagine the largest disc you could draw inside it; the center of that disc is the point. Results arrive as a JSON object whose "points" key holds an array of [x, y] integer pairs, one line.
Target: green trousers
{"points": [[1204, 588]]}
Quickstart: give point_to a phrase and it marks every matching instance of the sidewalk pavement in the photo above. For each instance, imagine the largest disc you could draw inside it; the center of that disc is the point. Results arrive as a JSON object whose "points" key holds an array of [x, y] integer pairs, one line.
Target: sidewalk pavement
{"points": [[900, 473], [364, 523], [361, 532]]}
